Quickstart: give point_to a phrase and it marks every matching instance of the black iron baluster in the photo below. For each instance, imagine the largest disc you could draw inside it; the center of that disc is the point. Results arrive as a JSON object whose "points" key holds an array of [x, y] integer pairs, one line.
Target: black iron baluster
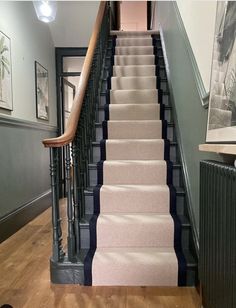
{"points": [[81, 153], [57, 159], [70, 212], [57, 252], [81, 169], [77, 217]]}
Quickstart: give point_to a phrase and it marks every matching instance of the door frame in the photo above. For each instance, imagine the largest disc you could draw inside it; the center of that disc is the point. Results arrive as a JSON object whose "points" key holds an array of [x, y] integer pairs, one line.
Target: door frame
{"points": [[118, 13], [69, 84], [60, 53]]}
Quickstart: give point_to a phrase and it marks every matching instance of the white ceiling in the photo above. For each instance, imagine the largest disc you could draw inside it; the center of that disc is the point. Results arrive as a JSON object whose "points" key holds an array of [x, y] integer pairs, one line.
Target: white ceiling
{"points": [[74, 23]]}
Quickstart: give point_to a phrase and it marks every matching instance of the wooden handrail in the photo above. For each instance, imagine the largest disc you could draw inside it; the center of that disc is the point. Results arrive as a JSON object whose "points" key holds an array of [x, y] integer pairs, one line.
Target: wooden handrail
{"points": [[73, 120]]}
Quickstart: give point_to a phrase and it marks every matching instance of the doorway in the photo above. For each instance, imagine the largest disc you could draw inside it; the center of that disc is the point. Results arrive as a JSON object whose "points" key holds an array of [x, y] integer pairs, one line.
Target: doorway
{"points": [[133, 15], [69, 64]]}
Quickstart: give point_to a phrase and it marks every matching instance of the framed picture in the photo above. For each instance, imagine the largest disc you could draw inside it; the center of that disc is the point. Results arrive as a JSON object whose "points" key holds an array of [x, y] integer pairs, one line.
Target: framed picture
{"points": [[41, 85], [5, 72], [221, 127]]}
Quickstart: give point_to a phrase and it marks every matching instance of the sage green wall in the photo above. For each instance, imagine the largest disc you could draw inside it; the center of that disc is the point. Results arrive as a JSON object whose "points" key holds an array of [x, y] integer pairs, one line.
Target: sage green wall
{"points": [[30, 41], [24, 162], [191, 116]]}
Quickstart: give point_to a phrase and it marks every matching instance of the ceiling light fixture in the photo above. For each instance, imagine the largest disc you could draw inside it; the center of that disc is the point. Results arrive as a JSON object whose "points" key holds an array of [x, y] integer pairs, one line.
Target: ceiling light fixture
{"points": [[46, 10]]}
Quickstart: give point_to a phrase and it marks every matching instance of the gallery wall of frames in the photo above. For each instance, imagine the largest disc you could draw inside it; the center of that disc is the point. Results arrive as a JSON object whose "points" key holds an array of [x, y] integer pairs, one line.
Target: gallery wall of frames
{"points": [[221, 126]]}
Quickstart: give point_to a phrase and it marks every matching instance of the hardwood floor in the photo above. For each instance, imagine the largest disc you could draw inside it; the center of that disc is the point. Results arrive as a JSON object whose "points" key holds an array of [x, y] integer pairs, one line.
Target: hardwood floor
{"points": [[25, 282]]}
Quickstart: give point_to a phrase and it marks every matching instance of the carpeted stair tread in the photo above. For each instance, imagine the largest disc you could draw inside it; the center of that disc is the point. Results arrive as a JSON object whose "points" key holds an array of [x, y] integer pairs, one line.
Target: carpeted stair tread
{"points": [[134, 111], [135, 198], [143, 266], [134, 60], [126, 83], [135, 236], [134, 36], [151, 172], [135, 230], [137, 41], [134, 50], [135, 129], [134, 96], [134, 149], [134, 70]]}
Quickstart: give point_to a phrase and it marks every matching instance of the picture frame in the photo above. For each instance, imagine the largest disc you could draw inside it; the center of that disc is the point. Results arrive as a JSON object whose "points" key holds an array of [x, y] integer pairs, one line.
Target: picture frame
{"points": [[221, 126], [6, 101], [42, 92]]}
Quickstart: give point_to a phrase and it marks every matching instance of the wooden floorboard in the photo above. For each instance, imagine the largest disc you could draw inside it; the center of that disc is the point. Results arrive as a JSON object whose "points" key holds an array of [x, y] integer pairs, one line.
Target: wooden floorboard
{"points": [[25, 281]]}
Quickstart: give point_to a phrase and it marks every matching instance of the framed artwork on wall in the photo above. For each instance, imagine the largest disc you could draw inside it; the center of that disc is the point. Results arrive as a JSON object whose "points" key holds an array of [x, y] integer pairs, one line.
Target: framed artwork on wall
{"points": [[41, 87], [5, 72], [221, 127]]}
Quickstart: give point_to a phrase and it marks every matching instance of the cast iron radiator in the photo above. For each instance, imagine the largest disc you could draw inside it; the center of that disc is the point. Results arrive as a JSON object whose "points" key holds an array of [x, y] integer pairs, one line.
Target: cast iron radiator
{"points": [[217, 263]]}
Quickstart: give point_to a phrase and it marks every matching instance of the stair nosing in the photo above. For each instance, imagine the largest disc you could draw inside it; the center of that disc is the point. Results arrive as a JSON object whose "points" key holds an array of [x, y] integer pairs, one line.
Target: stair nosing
{"points": [[85, 223]]}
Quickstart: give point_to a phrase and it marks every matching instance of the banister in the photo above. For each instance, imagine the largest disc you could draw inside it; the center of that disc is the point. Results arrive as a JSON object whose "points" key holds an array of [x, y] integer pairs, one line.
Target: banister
{"points": [[73, 120], [71, 153]]}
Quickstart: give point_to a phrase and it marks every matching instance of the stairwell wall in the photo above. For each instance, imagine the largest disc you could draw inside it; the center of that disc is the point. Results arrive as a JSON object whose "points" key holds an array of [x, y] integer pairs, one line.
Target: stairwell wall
{"points": [[77, 30], [199, 21], [190, 115], [24, 163]]}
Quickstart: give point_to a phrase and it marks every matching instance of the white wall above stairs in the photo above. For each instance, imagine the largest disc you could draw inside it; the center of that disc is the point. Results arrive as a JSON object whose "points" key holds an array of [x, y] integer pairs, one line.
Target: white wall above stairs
{"points": [[74, 23], [199, 21]]}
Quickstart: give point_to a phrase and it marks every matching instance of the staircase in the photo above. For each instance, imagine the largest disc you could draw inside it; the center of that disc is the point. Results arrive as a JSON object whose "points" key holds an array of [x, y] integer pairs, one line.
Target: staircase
{"points": [[136, 225], [117, 163]]}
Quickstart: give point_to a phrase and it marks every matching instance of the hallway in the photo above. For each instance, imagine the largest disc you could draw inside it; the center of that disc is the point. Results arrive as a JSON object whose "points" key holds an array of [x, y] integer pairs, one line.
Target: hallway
{"points": [[25, 278], [144, 154]]}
